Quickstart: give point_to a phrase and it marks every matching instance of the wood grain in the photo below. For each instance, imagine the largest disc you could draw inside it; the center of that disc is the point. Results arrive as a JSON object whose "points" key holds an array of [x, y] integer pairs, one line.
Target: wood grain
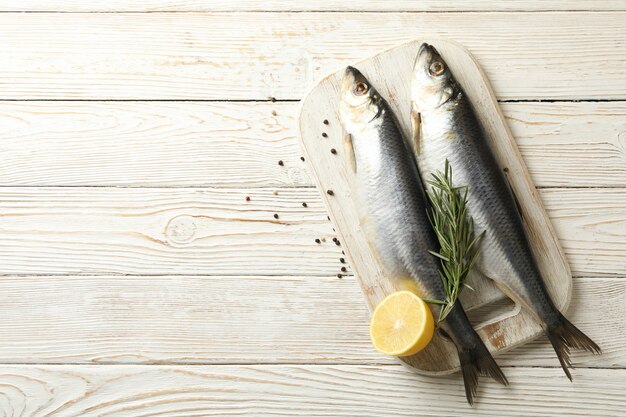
{"points": [[171, 231], [242, 320], [93, 230], [207, 55], [571, 144], [150, 144], [303, 5], [311, 326], [599, 218], [347, 390], [240, 144]]}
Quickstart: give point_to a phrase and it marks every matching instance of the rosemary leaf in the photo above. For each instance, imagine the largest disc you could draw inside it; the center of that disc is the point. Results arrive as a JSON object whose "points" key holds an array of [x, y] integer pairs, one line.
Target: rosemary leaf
{"points": [[455, 232]]}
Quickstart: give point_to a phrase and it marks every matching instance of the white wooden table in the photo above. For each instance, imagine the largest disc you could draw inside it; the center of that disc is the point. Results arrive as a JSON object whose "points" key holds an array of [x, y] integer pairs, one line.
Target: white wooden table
{"points": [[138, 281]]}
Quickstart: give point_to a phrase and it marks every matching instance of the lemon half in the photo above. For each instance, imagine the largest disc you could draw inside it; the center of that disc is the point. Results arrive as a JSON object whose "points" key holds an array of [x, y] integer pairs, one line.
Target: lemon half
{"points": [[401, 325]]}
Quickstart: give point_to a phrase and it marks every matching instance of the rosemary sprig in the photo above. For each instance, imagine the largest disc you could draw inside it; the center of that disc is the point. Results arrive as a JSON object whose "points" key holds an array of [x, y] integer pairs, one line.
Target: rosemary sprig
{"points": [[455, 231]]}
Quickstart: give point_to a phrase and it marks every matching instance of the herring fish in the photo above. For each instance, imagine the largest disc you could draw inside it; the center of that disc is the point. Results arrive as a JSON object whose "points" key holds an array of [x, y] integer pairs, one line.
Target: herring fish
{"points": [[446, 127], [392, 204]]}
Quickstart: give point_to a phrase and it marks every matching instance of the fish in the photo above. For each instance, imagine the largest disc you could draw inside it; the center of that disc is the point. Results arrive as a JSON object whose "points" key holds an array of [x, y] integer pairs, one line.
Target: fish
{"points": [[445, 127], [392, 206]]}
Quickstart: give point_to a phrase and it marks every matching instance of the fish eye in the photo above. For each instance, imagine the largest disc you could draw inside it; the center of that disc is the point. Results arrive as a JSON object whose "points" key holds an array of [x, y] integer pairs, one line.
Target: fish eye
{"points": [[436, 68], [360, 88]]}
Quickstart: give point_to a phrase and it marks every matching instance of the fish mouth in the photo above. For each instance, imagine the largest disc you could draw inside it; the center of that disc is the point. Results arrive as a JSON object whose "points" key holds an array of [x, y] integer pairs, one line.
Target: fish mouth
{"points": [[426, 48], [354, 75]]}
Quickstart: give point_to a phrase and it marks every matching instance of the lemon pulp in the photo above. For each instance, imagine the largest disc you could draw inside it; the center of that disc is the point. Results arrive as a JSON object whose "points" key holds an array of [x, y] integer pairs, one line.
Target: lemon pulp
{"points": [[401, 324]]}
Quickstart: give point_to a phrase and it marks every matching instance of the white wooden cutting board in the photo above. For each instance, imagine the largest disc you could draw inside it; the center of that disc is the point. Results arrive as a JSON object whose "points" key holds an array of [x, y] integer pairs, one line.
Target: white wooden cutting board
{"points": [[506, 325]]}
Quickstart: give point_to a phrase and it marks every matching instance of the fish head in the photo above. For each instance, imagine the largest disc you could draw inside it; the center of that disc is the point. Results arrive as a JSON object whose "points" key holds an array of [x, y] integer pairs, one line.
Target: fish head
{"points": [[360, 103], [432, 84]]}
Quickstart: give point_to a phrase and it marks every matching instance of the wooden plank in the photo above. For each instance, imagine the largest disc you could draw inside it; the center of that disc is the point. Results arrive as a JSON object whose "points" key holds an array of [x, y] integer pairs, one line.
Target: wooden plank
{"points": [[349, 390], [571, 144], [598, 217], [208, 56], [165, 231], [150, 143], [240, 144], [303, 5], [180, 319], [390, 72], [212, 231], [237, 319]]}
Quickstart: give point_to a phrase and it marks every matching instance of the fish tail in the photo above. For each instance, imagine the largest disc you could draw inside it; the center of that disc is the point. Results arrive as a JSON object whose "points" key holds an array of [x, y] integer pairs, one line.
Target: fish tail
{"points": [[565, 336], [478, 361]]}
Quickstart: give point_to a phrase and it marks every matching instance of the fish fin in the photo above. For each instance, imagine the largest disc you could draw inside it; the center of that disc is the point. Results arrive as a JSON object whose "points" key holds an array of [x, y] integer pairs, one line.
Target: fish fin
{"points": [[474, 357], [563, 336], [517, 204], [505, 289], [349, 149], [478, 361], [416, 123]]}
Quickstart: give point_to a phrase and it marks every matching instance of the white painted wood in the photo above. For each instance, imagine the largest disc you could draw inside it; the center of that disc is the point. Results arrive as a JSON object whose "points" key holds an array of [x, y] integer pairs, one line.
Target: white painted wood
{"points": [[304, 5], [171, 231], [594, 220], [150, 144], [209, 56], [240, 144], [93, 230], [239, 319], [296, 317], [325, 390], [390, 72], [210, 231], [571, 144]]}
